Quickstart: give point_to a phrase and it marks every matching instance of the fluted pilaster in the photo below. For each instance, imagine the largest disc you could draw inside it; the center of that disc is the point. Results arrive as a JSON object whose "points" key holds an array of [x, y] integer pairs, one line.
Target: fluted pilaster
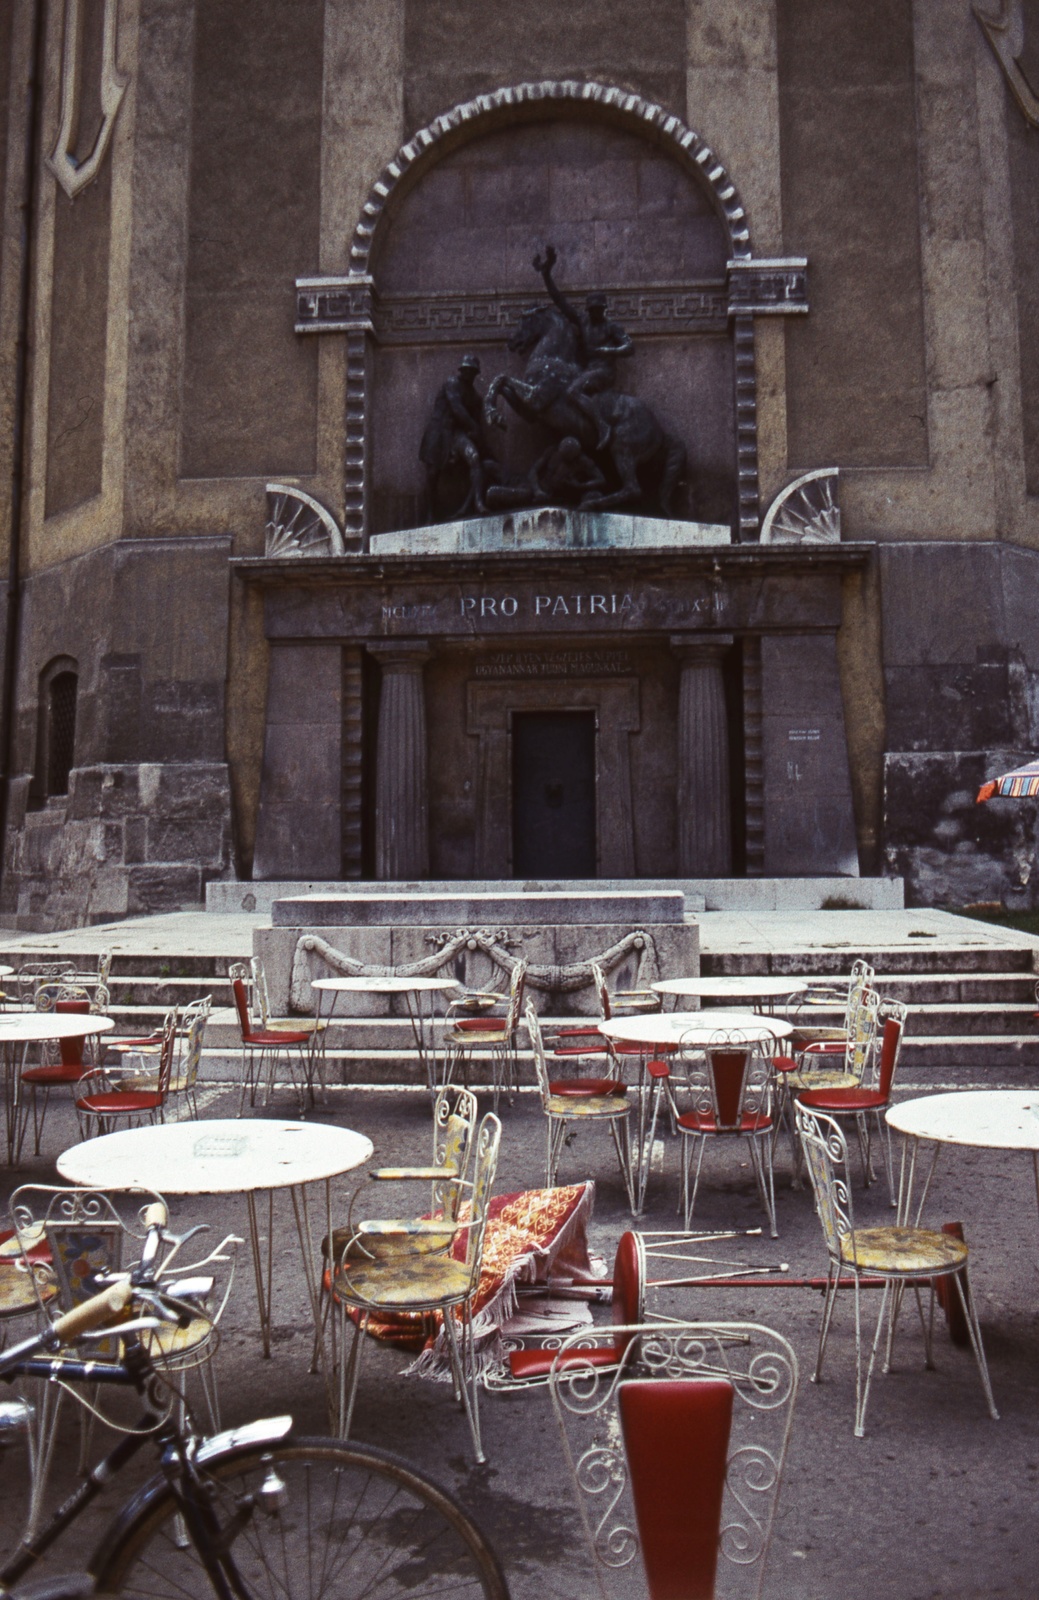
{"points": [[704, 820], [401, 767]]}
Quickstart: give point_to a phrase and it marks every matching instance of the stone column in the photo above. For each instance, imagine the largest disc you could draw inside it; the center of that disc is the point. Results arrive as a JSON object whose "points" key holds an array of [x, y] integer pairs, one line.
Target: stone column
{"points": [[401, 782], [704, 826]]}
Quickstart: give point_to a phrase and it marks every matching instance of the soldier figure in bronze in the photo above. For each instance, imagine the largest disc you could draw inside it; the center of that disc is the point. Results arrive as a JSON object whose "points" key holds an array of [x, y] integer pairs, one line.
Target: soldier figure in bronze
{"points": [[453, 436], [602, 343], [567, 386], [561, 476]]}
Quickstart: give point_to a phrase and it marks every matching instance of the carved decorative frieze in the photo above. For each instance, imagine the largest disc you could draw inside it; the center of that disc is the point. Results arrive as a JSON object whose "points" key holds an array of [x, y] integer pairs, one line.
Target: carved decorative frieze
{"points": [[806, 511], [334, 305], [73, 175], [298, 525]]}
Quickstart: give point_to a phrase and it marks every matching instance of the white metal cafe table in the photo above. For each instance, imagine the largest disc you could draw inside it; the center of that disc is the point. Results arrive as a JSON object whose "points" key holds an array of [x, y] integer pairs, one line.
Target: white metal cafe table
{"points": [[984, 1119], [741, 986], [227, 1156], [418, 997], [20, 1029]]}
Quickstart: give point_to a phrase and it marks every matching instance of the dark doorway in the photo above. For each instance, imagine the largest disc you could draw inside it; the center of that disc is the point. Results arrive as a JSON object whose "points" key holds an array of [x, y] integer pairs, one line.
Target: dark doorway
{"points": [[553, 794]]}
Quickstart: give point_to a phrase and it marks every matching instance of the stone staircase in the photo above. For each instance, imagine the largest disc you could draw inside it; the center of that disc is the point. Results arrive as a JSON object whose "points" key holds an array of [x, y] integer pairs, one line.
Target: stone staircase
{"points": [[972, 1010]]}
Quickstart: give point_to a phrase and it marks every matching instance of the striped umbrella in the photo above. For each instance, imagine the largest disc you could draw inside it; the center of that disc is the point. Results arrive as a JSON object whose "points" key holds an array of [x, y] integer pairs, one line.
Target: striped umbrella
{"points": [[1019, 784]]}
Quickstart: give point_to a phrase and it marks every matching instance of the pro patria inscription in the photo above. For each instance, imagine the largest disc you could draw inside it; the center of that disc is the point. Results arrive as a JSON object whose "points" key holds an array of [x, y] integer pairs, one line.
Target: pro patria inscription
{"points": [[547, 605]]}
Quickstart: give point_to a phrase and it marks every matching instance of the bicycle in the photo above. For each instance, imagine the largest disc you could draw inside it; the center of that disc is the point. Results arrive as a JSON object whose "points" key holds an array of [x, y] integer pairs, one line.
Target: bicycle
{"points": [[247, 1514]]}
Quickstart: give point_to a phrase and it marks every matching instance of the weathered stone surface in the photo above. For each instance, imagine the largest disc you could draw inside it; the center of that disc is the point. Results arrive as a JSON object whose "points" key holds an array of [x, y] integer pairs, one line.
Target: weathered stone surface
{"points": [[405, 910], [950, 850], [125, 840], [675, 949], [809, 822]]}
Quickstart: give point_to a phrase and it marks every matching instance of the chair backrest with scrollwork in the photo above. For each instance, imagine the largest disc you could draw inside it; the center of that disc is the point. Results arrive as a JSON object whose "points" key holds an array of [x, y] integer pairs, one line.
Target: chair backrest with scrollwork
{"points": [[188, 1057], [863, 1022], [261, 998], [826, 1157], [454, 1129], [730, 1079], [602, 992], [537, 1045], [517, 986], [485, 1165], [676, 1454], [73, 1236]]}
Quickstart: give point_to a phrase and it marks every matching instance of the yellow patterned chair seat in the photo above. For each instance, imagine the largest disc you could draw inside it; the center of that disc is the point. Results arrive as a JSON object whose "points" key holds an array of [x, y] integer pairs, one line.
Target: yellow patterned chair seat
{"points": [[381, 1239], [592, 1105], [406, 1283], [170, 1343], [903, 1252], [822, 1078], [17, 1294]]}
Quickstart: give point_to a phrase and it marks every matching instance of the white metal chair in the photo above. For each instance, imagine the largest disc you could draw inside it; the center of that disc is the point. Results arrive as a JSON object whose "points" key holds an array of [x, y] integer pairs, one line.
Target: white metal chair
{"points": [[264, 1048], [428, 1286], [611, 1109], [105, 1095], [867, 1101], [676, 1454], [901, 1256], [454, 1128], [496, 1036], [731, 1081], [69, 1239]]}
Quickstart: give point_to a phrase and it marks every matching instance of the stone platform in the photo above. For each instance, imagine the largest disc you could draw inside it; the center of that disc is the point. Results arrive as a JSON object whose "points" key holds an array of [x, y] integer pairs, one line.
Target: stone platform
{"points": [[473, 938], [363, 910]]}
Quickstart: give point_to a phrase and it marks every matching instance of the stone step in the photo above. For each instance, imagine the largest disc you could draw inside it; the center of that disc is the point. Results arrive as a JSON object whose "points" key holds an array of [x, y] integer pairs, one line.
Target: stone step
{"points": [[820, 963], [926, 1064]]}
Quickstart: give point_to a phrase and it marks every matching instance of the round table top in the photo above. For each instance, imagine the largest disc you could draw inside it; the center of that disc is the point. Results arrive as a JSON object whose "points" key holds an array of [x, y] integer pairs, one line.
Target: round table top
{"points": [[384, 985], [222, 1156], [993, 1119], [694, 1027], [5, 972], [26, 1027], [734, 988]]}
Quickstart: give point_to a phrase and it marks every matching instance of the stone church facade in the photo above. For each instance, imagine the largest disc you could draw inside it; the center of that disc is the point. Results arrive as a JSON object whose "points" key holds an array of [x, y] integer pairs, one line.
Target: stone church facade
{"points": [[245, 243]]}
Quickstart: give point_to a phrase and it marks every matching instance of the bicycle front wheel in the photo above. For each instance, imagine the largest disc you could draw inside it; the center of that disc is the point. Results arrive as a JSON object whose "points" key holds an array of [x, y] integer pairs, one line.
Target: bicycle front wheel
{"points": [[349, 1521]]}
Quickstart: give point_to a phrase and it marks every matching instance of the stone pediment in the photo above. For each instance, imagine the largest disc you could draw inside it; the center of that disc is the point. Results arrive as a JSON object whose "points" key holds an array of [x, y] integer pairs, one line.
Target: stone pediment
{"points": [[550, 528]]}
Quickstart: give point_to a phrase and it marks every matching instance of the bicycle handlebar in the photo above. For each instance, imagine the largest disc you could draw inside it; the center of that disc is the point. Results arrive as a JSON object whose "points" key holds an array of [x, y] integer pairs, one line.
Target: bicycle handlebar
{"points": [[93, 1313], [156, 1215]]}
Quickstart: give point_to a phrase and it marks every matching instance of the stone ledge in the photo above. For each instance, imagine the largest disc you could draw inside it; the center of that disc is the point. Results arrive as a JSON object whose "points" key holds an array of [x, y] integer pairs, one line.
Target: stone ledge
{"points": [[550, 528]]}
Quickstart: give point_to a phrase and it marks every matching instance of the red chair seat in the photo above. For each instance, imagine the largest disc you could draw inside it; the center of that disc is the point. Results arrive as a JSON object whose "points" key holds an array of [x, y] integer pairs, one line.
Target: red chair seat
{"points": [[784, 1063], [479, 1024], [120, 1102], [704, 1122], [843, 1099], [658, 1069], [275, 1039], [580, 1088], [622, 1047], [826, 1047], [538, 1363], [59, 1073]]}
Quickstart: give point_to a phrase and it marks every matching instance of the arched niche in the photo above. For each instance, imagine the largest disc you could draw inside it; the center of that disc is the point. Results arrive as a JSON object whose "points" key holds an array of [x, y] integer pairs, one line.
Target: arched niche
{"points": [[636, 205]]}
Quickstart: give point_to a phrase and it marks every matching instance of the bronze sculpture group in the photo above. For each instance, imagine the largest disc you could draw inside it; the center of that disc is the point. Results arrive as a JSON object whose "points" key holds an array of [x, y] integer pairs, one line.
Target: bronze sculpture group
{"points": [[609, 450]]}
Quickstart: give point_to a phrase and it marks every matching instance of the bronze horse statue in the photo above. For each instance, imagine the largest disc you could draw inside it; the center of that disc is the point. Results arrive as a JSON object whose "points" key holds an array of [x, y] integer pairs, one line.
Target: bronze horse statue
{"points": [[636, 439]]}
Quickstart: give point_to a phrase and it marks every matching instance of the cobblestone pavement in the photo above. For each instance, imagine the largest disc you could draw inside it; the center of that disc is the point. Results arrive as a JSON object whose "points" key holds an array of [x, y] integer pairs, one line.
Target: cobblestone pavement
{"points": [[937, 1500]]}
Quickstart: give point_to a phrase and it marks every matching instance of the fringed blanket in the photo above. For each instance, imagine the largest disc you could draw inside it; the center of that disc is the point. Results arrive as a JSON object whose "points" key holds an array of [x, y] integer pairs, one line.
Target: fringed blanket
{"points": [[529, 1237]]}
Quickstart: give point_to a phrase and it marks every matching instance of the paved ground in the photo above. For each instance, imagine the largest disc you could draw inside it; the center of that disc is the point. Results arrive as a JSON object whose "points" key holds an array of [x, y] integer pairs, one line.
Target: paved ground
{"points": [[765, 932], [938, 1500]]}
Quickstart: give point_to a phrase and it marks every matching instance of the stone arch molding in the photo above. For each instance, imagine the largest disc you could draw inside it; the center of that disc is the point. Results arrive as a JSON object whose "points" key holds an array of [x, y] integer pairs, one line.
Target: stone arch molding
{"points": [[686, 145], [756, 286]]}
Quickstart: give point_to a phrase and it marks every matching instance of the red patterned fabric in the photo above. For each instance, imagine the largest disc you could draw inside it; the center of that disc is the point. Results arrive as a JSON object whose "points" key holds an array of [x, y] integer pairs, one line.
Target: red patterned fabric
{"points": [[528, 1235]]}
